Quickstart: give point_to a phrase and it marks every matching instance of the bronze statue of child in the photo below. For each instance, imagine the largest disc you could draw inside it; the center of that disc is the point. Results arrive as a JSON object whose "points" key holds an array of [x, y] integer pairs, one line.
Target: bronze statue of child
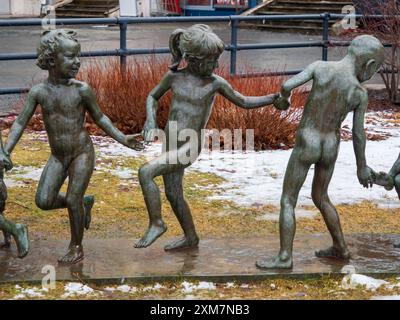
{"points": [[10, 229], [335, 92], [389, 181], [64, 103], [194, 88]]}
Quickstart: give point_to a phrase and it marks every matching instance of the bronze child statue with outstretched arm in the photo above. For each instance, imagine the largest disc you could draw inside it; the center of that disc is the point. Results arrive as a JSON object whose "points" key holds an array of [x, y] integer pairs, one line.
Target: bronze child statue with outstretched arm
{"points": [[194, 88], [10, 229], [64, 103], [389, 181], [335, 92]]}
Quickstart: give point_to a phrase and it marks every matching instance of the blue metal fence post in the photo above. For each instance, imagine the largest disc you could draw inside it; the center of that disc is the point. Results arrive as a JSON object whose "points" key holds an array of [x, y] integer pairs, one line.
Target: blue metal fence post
{"points": [[325, 36], [234, 30], [123, 26], [253, 3]]}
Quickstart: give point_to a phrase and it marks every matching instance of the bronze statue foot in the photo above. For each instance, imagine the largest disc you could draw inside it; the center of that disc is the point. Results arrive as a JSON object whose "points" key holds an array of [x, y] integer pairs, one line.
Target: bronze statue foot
{"points": [[182, 243], [151, 235], [22, 240], [7, 241], [275, 263], [333, 252], [396, 244], [74, 255], [88, 202]]}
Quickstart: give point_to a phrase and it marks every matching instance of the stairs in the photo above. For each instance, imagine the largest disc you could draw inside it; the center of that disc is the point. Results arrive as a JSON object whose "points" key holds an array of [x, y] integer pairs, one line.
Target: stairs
{"points": [[88, 9], [295, 7]]}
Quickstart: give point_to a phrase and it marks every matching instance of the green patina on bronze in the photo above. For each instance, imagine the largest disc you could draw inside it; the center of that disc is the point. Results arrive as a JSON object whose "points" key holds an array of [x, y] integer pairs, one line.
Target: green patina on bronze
{"points": [[64, 103], [336, 91], [194, 88], [10, 229]]}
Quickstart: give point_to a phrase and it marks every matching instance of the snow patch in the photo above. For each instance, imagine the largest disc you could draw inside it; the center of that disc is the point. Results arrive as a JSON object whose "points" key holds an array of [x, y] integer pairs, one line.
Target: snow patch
{"points": [[188, 287], [76, 289], [355, 280], [32, 292]]}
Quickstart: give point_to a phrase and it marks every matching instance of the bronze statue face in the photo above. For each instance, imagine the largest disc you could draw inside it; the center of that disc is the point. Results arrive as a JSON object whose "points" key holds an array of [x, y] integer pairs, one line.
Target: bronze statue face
{"points": [[67, 61]]}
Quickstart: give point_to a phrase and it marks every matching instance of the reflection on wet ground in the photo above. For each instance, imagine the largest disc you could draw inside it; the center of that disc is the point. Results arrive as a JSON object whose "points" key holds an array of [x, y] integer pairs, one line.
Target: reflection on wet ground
{"points": [[116, 260]]}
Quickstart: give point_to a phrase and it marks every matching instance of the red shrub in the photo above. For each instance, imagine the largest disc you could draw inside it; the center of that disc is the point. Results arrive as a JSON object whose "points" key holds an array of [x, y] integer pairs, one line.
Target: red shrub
{"points": [[122, 97]]}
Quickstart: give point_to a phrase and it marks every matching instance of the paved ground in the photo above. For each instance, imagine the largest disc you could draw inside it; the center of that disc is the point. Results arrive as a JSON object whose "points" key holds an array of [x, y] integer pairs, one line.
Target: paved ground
{"points": [[24, 39], [231, 259]]}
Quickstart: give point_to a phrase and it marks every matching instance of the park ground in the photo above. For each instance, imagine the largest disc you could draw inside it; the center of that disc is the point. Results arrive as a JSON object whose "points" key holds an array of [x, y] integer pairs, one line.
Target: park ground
{"points": [[231, 194]]}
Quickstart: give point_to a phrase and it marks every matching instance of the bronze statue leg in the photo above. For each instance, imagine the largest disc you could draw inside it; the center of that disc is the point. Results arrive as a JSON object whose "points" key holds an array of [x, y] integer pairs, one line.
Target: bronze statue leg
{"points": [[322, 178], [79, 173], [48, 195], [19, 232], [157, 167], [296, 174], [174, 191], [397, 187]]}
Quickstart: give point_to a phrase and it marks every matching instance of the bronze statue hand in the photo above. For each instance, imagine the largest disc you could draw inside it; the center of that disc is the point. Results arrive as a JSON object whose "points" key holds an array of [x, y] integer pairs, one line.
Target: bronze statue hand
{"points": [[281, 103], [366, 176], [5, 161], [148, 131], [133, 143]]}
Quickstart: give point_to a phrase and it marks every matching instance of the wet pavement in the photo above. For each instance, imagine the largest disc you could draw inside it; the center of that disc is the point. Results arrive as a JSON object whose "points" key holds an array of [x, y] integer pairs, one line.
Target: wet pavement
{"points": [[117, 261]]}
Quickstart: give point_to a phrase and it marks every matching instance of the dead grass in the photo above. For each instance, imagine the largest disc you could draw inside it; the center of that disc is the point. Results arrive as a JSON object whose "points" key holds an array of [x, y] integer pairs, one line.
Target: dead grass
{"points": [[324, 288]]}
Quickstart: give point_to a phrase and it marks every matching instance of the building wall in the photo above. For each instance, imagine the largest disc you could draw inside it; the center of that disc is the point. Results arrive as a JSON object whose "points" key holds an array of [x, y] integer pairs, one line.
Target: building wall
{"points": [[25, 7]]}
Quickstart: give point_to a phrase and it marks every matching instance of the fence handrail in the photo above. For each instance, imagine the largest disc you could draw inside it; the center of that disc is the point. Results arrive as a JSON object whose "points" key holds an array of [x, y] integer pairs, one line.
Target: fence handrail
{"points": [[233, 47], [140, 20]]}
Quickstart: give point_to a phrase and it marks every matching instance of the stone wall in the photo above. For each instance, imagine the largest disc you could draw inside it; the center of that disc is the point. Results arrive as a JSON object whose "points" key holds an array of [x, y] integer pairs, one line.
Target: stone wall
{"points": [[25, 8]]}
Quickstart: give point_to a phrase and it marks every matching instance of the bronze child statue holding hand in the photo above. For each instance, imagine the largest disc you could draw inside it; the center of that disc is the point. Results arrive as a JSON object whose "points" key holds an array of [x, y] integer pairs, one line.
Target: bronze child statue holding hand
{"points": [[194, 88], [64, 102], [335, 92]]}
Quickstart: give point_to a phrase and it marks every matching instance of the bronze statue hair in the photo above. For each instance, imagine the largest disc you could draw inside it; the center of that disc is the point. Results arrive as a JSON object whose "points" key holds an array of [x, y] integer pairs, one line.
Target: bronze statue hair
{"points": [[199, 41]]}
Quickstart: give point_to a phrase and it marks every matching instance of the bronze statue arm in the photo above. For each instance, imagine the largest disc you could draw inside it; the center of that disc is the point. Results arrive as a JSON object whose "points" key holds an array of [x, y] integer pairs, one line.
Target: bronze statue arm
{"points": [[395, 170], [155, 95], [99, 118], [245, 102], [283, 101], [22, 121], [152, 104], [364, 173], [303, 77]]}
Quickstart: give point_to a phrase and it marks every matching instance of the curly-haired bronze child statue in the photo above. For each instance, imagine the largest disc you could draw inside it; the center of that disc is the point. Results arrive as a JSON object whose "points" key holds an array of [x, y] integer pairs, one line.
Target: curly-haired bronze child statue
{"points": [[64, 103]]}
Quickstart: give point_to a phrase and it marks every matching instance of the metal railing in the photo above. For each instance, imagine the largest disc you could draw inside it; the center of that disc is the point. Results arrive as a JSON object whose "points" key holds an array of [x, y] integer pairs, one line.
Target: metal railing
{"points": [[233, 47]]}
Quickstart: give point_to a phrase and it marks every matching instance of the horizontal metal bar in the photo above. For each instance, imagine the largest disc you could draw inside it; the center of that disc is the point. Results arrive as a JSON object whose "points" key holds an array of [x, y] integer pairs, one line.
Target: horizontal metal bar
{"points": [[17, 56], [147, 51], [33, 56], [117, 52], [138, 20], [340, 43], [4, 91], [256, 46], [280, 17], [269, 74], [69, 21], [135, 20]]}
